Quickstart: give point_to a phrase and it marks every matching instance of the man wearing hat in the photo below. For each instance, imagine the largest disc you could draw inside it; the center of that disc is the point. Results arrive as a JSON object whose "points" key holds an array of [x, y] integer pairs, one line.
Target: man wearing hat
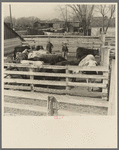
{"points": [[65, 50], [49, 47]]}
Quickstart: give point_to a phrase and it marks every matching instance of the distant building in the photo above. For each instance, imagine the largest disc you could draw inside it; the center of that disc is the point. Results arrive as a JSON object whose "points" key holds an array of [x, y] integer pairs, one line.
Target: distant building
{"points": [[42, 25], [36, 24], [58, 25], [73, 26], [97, 26]]}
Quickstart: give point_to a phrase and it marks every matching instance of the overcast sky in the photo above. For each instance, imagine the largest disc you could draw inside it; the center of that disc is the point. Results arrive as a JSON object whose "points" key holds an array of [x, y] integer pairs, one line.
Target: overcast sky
{"points": [[40, 10]]}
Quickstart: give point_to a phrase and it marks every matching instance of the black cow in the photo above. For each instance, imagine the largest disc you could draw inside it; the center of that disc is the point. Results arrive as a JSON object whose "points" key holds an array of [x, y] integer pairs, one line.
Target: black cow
{"points": [[20, 49], [64, 63], [82, 52], [52, 60], [38, 47]]}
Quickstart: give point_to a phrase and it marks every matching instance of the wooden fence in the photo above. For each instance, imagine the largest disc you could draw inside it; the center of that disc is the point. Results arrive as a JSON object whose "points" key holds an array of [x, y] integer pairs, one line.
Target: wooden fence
{"points": [[52, 78], [27, 89], [59, 85]]}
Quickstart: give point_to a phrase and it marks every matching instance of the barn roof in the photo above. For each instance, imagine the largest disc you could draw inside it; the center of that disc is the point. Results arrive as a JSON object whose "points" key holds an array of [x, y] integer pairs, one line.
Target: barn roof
{"points": [[17, 35]]}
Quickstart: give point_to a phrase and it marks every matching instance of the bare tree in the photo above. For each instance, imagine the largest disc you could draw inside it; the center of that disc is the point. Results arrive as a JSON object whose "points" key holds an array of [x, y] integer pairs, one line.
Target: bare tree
{"points": [[84, 15], [105, 10], [62, 10], [65, 14], [23, 22]]}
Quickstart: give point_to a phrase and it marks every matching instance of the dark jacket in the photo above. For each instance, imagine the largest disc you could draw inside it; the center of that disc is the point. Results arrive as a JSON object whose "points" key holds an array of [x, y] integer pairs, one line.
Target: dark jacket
{"points": [[49, 47], [64, 49]]}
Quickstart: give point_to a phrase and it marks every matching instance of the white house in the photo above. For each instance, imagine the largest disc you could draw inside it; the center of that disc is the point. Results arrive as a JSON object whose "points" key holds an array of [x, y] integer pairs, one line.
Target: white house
{"points": [[97, 25]]}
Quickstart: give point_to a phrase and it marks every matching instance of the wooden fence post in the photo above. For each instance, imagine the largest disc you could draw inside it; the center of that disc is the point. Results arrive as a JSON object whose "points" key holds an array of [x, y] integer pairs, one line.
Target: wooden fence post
{"points": [[105, 63], [67, 80], [52, 105], [112, 94], [103, 39], [31, 78]]}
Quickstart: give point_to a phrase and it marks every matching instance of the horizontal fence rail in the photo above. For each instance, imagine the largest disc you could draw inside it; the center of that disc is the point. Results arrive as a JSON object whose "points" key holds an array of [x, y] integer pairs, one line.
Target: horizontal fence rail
{"points": [[53, 102], [61, 83]]}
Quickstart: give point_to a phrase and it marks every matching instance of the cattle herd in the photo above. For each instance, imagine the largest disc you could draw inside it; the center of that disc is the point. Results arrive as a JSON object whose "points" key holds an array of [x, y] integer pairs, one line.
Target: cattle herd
{"points": [[39, 54], [85, 57]]}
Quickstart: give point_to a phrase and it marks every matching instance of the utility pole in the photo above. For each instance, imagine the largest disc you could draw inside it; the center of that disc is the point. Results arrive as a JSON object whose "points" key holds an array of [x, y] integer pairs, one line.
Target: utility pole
{"points": [[10, 16], [66, 17]]}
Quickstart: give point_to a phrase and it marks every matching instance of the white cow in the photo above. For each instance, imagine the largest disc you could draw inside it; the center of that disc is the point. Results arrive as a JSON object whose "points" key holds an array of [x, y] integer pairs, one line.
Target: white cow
{"points": [[37, 53], [89, 60]]}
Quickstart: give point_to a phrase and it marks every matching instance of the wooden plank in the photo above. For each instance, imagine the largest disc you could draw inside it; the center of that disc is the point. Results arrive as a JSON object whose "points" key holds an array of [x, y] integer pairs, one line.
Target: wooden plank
{"points": [[72, 113], [87, 84], [112, 94], [105, 52], [87, 68], [105, 62], [19, 65], [41, 109], [53, 67], [17, 87], [56, 74], [59, 36], [55, 91], [32, 78], [50, 106], [96, 43], [27, 81], [60, 98], [32, 66], [67, 79], [105, 90], [57, 83], [26, 107]]}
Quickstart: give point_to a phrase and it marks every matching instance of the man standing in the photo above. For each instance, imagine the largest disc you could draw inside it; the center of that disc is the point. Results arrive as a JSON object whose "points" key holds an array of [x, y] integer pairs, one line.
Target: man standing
{"points": [[49, 47], [65, 50]]}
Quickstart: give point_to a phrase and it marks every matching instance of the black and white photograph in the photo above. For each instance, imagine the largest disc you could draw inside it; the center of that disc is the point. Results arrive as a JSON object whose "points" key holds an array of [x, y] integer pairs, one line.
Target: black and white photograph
{"points": [[59, 60]]}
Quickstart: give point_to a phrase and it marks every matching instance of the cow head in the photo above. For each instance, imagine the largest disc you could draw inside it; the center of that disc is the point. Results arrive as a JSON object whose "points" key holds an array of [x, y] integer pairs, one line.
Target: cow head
{"points": [[96, 52], [37, 47], [27, 47]]}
